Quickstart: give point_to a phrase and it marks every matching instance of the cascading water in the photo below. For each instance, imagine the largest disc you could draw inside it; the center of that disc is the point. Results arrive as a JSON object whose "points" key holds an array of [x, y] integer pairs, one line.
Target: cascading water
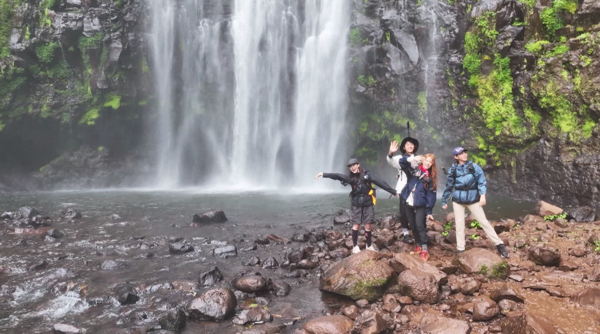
{"points": [[251, 93]]}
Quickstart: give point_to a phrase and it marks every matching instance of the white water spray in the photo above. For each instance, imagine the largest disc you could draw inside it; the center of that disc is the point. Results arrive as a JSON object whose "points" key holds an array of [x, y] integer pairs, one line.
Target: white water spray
{"points": [[251, 93]]}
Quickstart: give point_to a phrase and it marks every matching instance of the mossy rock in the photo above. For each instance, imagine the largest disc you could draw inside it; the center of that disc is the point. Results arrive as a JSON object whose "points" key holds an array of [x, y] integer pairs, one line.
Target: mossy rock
{"points": [[360, 276]]}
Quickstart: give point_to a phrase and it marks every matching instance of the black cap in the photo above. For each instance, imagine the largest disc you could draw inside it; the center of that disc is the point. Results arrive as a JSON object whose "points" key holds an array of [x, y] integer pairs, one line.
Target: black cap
{"points": [[352, 162], [413, 141]]}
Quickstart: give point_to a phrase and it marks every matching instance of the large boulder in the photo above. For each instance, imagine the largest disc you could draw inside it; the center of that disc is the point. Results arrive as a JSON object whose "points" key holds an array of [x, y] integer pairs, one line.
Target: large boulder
{"points": [[419, 285], [546, 209], [583, 214], [333, 324], [213, 304], [361, 276], [545, 255], [405, 261], [483, 261]]}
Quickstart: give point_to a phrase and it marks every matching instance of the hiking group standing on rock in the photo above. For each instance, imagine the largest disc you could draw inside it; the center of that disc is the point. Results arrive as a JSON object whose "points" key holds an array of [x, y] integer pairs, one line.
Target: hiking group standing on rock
{"points": [[417, 192]]}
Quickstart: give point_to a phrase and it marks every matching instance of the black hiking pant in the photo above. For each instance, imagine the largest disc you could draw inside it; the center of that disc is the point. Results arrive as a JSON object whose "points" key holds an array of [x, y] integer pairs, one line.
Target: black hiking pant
{"points": [[416, 218], [402, 212]]}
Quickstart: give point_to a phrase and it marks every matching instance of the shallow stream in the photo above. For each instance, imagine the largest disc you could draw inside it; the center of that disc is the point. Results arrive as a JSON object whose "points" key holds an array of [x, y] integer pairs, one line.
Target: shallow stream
{"points": [[70, 287]]}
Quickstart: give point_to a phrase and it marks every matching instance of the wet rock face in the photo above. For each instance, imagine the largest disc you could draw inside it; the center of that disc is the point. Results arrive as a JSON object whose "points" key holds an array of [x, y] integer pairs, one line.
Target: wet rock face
{"points": [[214, 304]]}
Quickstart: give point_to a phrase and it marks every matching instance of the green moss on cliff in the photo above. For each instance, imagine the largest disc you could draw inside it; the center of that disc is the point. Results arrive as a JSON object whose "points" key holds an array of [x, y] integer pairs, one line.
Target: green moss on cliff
{"points": [[552, 16], [45, 52], [6, 11], [113, 101], [497, 101]]}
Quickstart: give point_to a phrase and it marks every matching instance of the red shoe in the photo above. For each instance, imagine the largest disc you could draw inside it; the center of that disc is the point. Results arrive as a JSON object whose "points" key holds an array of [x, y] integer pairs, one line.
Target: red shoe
{"points": [[418, 249], [424, 255]]}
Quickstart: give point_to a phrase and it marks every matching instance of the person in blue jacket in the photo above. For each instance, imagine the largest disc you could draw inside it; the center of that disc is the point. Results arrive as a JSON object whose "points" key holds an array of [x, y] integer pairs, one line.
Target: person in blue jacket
{"points": [[420, 196], [362, 198], [467, 185]]}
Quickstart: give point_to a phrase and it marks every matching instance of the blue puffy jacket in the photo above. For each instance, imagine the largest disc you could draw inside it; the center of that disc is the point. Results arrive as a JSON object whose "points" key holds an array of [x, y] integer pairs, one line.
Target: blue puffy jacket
{"points": [[467, 181], [423, 196]]}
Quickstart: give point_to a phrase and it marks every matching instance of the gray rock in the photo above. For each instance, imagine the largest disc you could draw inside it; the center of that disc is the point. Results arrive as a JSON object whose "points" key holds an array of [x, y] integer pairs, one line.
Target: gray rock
{"points": [[126, 294], [226, 251], [583, 214], [65, 329], [217, 216], [270, 263], [213, 304], [211, 277], [28, 212], [180, 248], [173, 320]]}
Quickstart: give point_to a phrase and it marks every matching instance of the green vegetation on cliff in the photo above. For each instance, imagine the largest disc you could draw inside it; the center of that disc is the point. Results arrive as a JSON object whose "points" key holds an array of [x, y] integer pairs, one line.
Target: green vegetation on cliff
{"points": [[6, 12]]}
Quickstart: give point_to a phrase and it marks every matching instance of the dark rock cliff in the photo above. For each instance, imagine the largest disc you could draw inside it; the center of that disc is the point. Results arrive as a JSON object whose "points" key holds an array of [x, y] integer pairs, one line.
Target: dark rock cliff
{"points": [[513, 81]]}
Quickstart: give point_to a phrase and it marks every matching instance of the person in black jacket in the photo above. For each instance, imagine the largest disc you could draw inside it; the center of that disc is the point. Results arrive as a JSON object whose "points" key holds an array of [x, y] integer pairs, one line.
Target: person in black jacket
{"points": [[362, 198], [420, 196]]}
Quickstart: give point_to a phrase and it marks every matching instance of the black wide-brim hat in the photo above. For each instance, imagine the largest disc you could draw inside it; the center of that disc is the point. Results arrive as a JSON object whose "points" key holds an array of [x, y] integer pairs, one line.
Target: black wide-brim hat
{"points": [[413, 141]]}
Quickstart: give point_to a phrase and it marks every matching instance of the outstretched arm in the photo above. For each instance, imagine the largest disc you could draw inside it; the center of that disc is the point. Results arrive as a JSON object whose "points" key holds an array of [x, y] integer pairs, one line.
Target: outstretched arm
{"points": [[345, 179], [382, 184]]}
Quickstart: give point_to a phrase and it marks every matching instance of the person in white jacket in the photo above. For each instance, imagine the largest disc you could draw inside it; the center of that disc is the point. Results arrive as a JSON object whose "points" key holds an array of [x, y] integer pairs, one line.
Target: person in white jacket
{"points": [[408, 147]]}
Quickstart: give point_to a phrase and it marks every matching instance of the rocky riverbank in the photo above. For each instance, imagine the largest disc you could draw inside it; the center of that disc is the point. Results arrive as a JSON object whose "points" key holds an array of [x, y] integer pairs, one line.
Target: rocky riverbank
{"points": [[59, 273]]}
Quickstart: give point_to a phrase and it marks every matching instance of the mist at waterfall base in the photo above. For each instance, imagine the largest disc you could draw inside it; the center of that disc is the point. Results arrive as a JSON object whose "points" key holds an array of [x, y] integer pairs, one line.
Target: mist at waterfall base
{"points": [[251, 94]]}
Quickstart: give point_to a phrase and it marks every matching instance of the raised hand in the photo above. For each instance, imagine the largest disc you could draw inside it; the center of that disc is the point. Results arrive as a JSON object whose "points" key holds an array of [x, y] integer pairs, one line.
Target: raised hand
{"points": [[318, 175], [393, 147]]}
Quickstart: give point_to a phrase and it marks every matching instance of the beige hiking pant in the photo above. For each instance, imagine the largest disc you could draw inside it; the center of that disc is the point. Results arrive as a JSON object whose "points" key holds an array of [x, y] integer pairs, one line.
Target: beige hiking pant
{"points": [[477, 211]]}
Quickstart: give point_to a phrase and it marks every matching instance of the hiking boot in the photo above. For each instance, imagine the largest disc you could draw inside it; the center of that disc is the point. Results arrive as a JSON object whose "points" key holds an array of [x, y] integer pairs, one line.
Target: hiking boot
{"points": [[355, 250], [424, 255], [407, 239], [502, 251], [371, 248]]}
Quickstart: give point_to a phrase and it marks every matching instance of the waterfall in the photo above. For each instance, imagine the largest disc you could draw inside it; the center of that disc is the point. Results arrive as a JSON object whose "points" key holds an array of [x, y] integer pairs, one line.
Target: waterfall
{"points": [[250, 93]]}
